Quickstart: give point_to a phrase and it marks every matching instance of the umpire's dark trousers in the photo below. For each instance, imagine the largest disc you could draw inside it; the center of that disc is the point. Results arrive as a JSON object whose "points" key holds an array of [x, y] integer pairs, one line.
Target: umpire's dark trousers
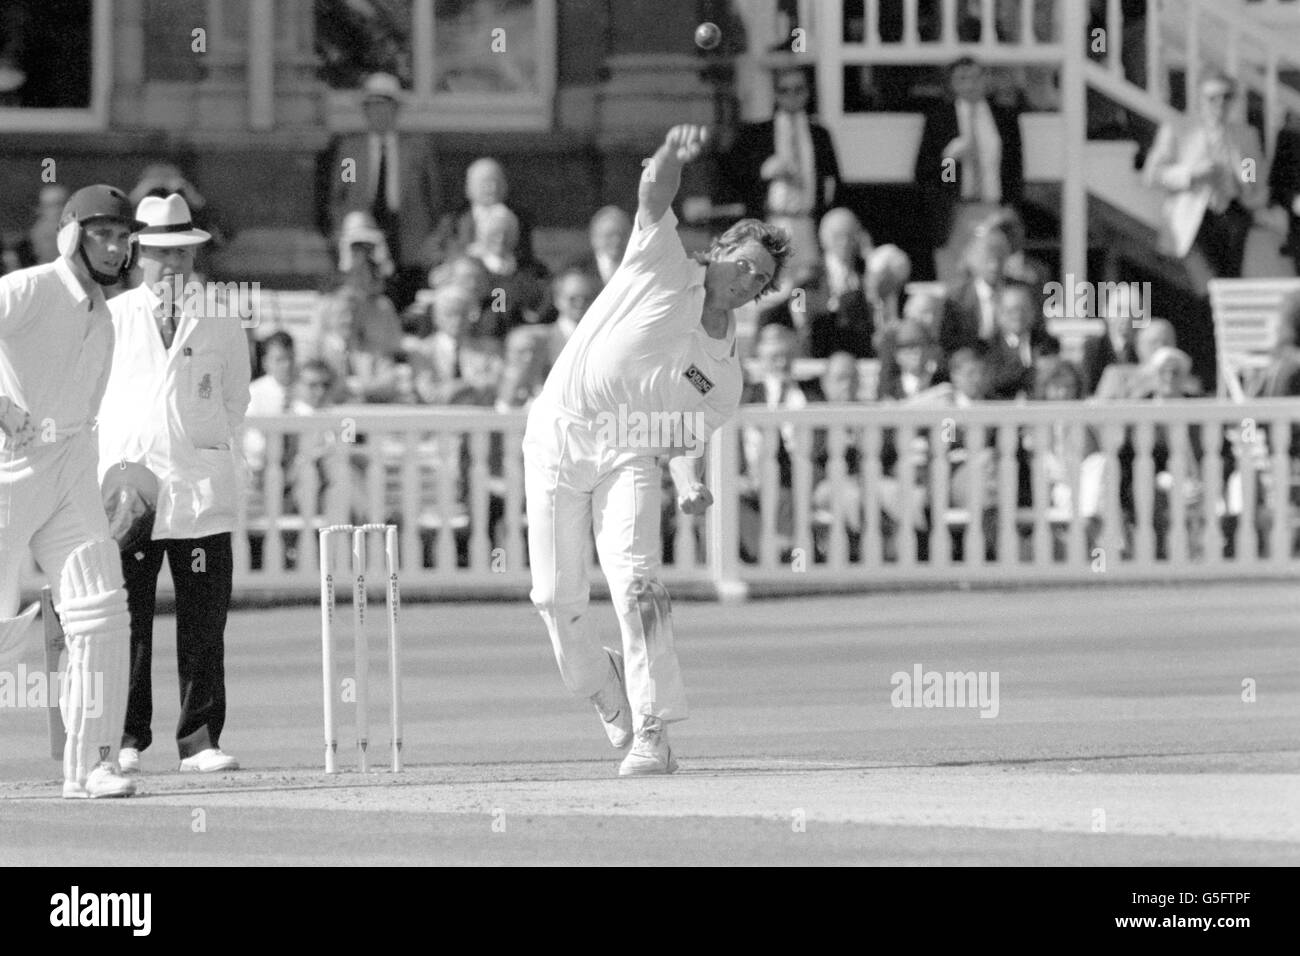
{"points": [[202, 569]]}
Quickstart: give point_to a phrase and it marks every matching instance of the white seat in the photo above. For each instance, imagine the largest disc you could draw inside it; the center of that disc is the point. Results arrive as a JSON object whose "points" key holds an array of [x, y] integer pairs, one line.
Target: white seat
{"points": [[1244, 313]]}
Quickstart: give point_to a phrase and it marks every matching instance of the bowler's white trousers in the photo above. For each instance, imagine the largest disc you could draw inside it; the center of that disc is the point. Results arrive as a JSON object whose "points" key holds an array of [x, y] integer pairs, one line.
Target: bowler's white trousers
{"points": [[575, 485]]}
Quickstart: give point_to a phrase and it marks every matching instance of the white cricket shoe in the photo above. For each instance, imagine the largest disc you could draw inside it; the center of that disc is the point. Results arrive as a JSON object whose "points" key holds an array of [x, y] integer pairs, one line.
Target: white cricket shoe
{"points": [[128, 759], [209, 761], [106, 780], [651, 753], [612, 706]]}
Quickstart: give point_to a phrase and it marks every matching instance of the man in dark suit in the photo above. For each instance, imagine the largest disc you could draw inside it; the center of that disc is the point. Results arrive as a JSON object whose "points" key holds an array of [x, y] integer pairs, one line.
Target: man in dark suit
{"points": [[1284, 184], [1011, 355], [970, 312], [968, 166], [1117, 346], [389, 174], [784, 170]]}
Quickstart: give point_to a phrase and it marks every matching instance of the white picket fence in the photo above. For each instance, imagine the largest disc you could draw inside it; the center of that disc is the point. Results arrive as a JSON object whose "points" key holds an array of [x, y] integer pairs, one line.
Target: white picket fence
{"points": [[873, 496]]}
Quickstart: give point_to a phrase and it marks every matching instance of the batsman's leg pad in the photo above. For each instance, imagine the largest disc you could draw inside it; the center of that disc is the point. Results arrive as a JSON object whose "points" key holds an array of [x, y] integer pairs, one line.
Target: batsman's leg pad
{"points": [[13, 636], [97, 624]]}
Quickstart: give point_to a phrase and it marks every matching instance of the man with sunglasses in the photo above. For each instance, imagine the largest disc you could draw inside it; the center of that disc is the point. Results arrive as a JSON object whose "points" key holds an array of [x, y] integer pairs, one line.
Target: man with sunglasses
{"points": [[650, 372]]}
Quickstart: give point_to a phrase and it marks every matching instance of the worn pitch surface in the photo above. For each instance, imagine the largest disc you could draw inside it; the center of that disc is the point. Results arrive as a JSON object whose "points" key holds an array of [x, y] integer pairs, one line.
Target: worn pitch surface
{"points": [[1121, 736]]}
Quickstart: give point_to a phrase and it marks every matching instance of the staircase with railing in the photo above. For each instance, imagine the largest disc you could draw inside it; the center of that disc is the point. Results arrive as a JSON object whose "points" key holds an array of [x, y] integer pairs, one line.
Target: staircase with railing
{"points": [[1140, 60]]}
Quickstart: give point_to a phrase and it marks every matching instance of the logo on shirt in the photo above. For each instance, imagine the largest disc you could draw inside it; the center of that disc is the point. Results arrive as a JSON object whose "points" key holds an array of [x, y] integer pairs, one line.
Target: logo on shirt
{"points": [[205, 386], [699, 380]]}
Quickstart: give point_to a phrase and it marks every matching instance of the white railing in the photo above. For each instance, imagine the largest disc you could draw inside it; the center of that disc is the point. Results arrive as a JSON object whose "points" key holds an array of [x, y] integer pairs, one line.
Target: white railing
{"points": [[872, 495], [1257, 42]]}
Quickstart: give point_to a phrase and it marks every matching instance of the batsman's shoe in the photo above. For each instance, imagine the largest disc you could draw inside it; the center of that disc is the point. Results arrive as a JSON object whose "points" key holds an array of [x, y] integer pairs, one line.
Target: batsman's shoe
{"points": [[105, 780], [128, 758], [650, 753], [612, 706], [209, 761]]}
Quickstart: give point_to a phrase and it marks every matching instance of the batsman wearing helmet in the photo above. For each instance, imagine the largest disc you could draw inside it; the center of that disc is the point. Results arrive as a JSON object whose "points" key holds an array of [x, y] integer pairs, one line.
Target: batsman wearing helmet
{"points": [[56, 348]]}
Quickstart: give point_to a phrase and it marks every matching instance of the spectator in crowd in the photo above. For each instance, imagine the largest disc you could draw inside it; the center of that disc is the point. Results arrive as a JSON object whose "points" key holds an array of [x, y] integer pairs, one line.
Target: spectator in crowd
{"points": [[888, 269], [839, 384], [1200, 165], [1121, 382], [775, 388], [480, 373], [1019, 265], [1284, 183], [609, 232], [518, 285], [1168, 374], [394, 177], [527, 362], [970, 312], [272, 393], [486, 188], [785, 170], [909, 361], [1117, 345], [573, 292], [839, 317], [360, 334], [40, 244], [436, 359], [968, 165], [1012, 354], [925, 306], [1281, 377]]}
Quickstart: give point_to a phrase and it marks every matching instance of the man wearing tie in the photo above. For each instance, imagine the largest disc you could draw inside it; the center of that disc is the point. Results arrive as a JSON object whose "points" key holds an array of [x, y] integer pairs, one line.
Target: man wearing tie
{"points": [[392, 176], [785, 170], [968, 166], [176, 398]]}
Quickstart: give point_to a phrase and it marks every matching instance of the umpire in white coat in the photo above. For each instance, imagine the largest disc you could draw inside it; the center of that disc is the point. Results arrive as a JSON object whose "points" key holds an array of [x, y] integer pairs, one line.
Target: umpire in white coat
{"points": [[175, 402]]}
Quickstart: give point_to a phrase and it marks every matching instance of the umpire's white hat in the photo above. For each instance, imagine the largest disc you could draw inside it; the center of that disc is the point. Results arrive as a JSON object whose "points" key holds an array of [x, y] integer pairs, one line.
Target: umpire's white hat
{"points": [[167, 222]]}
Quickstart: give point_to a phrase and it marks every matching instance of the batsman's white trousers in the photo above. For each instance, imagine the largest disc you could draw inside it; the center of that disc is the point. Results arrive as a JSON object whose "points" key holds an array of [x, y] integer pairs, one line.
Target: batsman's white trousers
{"points": [[576, 485], [50, 503]]}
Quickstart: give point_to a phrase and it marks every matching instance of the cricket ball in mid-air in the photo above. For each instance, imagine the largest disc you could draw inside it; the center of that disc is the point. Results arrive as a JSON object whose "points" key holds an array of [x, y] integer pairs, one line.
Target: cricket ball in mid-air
{"points": [[707, 35]]}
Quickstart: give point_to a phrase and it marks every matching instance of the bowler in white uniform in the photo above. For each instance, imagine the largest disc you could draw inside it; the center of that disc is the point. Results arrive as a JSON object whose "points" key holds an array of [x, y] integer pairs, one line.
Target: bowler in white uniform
{"points": [[650, 372]]}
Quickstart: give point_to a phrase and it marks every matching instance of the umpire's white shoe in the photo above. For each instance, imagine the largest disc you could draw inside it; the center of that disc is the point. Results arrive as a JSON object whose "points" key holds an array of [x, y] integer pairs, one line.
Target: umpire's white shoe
{"points": [[105, 780], [651, 753], [128, 758], [209, 761], [611, 703]]}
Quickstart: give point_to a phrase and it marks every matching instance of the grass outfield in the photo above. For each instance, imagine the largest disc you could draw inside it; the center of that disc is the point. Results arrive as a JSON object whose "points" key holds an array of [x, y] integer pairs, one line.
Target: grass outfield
{"points": [[1121, 737]]}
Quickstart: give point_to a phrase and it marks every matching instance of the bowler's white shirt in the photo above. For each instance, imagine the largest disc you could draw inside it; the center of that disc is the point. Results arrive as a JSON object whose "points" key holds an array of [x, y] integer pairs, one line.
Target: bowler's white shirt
{"points": [[641, 346], [179, 411], [56, 343]]}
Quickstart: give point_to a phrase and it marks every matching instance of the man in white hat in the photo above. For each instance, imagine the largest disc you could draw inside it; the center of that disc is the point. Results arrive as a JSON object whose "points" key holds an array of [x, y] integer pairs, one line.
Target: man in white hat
{"points": [[176, 399], [389, 174], [56, 343]]}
